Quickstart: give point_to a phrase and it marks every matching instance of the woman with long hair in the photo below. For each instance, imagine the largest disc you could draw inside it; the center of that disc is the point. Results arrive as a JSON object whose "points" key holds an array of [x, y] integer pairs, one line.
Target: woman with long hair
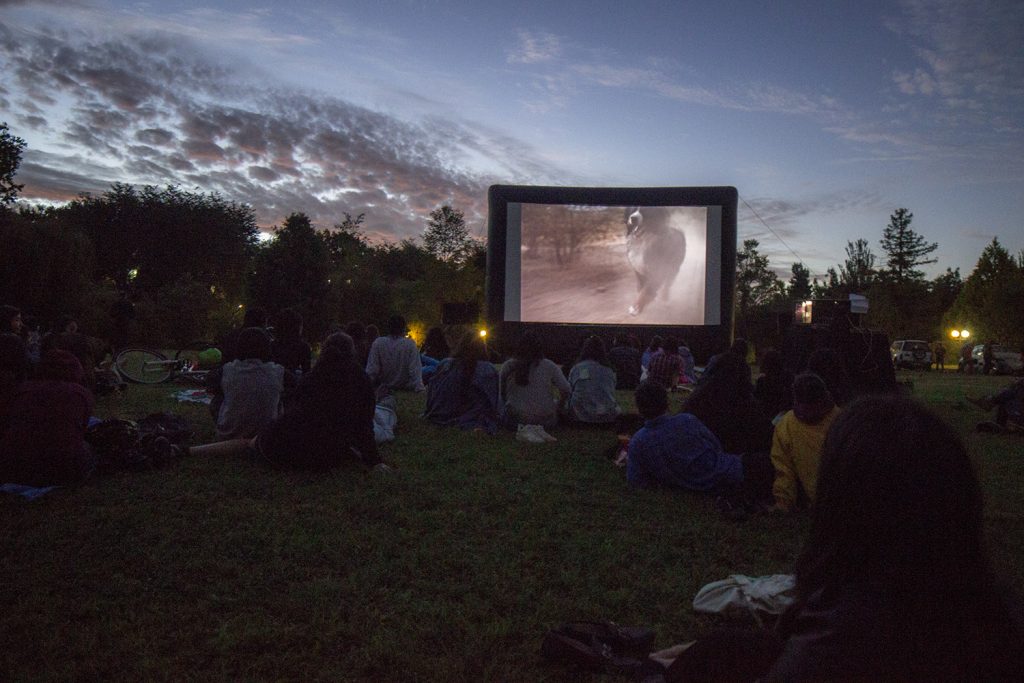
{"points": [[893, 583], [463, 390], [724, 401], [529, 385]]}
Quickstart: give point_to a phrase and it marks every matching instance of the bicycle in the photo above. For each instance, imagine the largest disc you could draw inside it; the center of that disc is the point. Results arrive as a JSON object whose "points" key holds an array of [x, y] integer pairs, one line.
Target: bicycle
{"points": [[148, 366]]}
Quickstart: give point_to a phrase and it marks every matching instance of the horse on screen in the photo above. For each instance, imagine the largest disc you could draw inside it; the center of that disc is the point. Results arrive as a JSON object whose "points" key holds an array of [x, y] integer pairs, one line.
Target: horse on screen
{"points": [[655, 251]]}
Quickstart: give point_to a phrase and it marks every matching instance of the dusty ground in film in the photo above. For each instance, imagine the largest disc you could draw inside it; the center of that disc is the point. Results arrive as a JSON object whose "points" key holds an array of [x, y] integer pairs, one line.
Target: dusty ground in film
{"points": [[599, 287]]}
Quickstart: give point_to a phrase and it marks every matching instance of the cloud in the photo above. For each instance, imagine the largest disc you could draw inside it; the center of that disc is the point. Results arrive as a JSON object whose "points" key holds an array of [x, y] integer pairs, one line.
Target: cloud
{"points": [[144, 108], [968, 55], [534, 47]]}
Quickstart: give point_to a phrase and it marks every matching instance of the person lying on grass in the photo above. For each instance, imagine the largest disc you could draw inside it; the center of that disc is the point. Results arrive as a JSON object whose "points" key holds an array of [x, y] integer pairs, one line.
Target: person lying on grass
{"points": [[797, 443], [247, 392], [678, 451], [329, 422], [893, 583], [1009, 405]]}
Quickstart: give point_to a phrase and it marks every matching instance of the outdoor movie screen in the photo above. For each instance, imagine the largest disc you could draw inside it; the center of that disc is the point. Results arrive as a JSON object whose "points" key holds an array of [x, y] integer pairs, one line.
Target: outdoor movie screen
{"points": [[613, 265]]}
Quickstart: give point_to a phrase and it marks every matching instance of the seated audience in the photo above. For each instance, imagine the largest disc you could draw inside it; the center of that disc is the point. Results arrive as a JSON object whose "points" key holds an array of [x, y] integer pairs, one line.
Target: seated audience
{"points": [[247, 391], [43, 442], [724, 401], [774, 388], [434, 350], [798, 440], [1009, 405], [10, 320], [894, 582], [358, 331], [66, 336], [592, 381], [289, 349], [689, 373], [529, 384], [666, 365], [329, 422], [394, 360], [828, 365], [652, 348], [463, 390], [677, 451], [738, 350], [254, 317], [625, 359], [13, 371]]}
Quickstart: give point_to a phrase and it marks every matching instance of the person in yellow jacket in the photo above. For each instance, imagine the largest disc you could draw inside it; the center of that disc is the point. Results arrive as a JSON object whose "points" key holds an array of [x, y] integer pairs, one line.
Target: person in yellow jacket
{"points": [[798, 440]]}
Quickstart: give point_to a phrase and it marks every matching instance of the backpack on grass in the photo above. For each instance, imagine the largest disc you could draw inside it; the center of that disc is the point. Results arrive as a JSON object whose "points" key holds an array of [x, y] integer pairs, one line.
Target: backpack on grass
{"points": [[154, 440], [603, 647]]}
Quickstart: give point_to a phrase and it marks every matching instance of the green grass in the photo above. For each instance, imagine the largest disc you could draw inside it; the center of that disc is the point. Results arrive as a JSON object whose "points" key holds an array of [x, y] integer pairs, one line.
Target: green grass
{"points": [[449, 569]]}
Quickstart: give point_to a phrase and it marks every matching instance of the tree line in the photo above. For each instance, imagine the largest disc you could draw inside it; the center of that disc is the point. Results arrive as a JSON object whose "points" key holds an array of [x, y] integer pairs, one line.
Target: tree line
{"points": [[902, 301], [191, 262]]}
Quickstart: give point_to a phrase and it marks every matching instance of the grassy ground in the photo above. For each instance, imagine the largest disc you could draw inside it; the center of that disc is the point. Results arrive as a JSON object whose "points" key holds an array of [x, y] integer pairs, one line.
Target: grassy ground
{"points": [[449, 569]]}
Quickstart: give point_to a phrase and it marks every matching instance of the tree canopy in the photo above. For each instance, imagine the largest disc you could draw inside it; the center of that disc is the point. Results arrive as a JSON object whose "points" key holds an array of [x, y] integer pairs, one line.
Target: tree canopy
{"points": [[11, 148], [905, 249]]}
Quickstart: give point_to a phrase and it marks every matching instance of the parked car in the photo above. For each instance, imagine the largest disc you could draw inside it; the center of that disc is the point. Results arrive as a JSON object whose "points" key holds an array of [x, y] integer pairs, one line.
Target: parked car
{"points": [[1005, 361], [911, 353]]}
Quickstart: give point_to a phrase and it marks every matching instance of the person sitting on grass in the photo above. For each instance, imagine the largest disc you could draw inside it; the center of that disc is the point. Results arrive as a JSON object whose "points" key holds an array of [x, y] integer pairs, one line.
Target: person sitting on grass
{"points": [[724, 401], [43, 443], [13, 371], [289, 349], [677, 451], [797, 443], [254, 317], [463, 390], [247, 391], [529, 382], [434, 350], [1009, 405], [394, 360], [653, 348], [774, 388], [625, 359], [666, 366], [592, 398], [894, 582], [329, 422]]}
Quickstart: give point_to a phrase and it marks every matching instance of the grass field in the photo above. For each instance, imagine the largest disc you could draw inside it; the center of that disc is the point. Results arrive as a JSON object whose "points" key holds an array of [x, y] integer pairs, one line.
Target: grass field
{"points": [[449, 569]]}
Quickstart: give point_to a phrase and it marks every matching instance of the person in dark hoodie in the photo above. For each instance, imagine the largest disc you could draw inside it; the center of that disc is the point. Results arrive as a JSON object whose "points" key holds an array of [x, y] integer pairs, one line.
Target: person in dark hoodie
{"points": [[798, 440]]}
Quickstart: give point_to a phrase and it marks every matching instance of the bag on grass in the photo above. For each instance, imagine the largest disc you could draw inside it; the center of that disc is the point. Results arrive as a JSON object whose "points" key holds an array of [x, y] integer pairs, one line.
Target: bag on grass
{"points": [[174, 428], [599, 646]]}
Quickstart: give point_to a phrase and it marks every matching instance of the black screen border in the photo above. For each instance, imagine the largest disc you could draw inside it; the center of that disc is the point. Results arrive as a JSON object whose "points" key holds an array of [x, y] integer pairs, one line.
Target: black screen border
{"points": [[500, 196]]}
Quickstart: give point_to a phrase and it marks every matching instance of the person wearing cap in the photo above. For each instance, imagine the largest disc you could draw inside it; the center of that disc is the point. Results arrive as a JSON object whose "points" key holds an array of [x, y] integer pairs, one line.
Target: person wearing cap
{"points": [[798, 440]]}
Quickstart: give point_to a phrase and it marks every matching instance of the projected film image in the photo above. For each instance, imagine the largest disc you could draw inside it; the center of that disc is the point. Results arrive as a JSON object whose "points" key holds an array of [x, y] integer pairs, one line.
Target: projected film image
{"points": [[613, 265]]}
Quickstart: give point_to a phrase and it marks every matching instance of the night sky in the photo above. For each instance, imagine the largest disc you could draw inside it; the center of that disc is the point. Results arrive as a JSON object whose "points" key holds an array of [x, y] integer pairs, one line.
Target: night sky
{"points": [[825, 116]]}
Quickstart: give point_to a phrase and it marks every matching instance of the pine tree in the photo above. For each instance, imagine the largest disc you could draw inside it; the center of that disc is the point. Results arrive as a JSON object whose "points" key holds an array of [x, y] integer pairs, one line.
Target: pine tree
{"points": [[800, 283], [858, 271], [905, 248]]}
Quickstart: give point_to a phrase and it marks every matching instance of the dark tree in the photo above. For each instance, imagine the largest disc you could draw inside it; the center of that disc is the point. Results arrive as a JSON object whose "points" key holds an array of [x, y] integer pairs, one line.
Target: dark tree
{"points": [[858, 271], [800, 283], [989, 302], [294, 271], [905, 249], [10, 158], [756, 284], [447, 236]]}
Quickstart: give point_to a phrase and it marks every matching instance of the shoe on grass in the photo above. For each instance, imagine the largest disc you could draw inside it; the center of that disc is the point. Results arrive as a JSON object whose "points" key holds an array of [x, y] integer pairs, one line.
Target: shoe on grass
{"points": [[543, 434], [528, 434]]}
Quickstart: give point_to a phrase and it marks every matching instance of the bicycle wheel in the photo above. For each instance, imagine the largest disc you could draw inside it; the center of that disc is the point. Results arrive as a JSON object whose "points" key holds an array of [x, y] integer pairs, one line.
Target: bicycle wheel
{"points": [[143, 366]]}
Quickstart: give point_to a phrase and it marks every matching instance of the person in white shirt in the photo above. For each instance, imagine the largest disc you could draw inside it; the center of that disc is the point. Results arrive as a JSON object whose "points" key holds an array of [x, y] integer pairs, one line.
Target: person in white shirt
{"points": [[394, 359]]}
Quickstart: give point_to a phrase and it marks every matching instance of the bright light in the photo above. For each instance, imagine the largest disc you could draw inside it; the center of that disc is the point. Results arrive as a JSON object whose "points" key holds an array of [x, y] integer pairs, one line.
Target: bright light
{"points": [[955, 334], [133, 273], [263, 237], [964, 334], [483, 333]]}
